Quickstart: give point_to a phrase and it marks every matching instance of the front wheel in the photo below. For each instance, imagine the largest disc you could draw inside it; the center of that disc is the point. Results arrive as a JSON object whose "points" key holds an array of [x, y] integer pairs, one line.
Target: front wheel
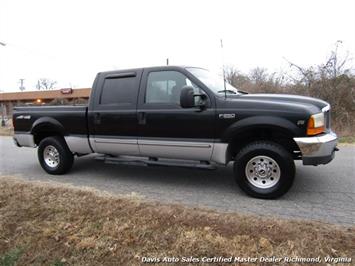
{"points": [[264, 169], [55, 156]]}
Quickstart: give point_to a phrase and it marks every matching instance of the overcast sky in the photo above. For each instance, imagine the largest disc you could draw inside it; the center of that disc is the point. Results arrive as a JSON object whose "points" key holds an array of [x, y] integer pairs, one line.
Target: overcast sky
{"points": [[69, 41]]}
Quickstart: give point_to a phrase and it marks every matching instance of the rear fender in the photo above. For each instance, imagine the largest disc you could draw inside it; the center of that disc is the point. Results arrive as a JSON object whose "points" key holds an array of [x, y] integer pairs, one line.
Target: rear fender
{"points": [[47, 124]]}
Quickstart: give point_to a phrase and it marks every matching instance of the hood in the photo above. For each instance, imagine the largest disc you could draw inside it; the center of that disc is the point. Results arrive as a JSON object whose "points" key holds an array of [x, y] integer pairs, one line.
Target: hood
{"points": [[288, 98], [280, 101]]}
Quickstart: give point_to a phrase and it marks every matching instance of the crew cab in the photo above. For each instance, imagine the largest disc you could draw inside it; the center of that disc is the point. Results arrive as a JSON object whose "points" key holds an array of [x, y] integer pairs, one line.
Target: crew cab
{"points": [[183, 116]]}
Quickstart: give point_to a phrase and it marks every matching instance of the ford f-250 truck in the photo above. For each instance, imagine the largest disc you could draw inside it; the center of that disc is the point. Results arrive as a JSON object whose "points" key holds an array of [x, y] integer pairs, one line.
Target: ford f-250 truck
{"points": [[187, 114]]}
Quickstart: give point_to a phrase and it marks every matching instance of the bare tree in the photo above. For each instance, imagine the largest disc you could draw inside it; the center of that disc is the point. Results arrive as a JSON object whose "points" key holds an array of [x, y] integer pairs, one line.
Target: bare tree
{"points": [[333, 82], [45, 84], [258, 75], [236, 78], [335, 65], [333, 68]]}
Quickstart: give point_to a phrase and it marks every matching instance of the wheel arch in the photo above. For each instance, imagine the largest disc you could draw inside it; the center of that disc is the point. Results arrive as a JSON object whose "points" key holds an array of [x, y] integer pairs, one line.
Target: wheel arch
{"points": [[46, 127], [275, 129]]}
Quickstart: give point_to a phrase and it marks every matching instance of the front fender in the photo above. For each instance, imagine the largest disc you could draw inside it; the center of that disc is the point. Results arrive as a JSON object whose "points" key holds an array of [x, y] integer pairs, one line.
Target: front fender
{"points": [[258, 122]]}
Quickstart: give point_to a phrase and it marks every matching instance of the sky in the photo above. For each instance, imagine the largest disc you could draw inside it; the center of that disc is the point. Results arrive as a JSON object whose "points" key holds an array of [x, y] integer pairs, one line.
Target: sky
{"points": [[70, 41]]}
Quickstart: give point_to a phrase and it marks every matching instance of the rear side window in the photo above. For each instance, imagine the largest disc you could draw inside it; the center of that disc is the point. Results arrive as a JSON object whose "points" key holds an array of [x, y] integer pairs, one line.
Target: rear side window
{"points": [[121, 91]]}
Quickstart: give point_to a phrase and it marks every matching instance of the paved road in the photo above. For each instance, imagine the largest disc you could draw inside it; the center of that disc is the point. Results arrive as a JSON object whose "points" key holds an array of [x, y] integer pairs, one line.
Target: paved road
{"points": [[323, 193]]}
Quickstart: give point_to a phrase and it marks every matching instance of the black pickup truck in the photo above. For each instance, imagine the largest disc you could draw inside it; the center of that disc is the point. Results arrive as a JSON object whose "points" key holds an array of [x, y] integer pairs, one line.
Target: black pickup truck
{"points": [[183, 116]]}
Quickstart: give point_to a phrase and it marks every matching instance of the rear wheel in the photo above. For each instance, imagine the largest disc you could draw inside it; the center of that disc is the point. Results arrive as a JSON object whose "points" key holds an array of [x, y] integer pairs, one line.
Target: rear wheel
{"points": [[264, 169], [55, 156]]}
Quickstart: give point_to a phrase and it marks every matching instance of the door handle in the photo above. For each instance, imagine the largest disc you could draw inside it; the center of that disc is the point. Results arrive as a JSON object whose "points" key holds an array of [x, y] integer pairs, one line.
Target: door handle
{"points": [[141, 118], [97, 118]]}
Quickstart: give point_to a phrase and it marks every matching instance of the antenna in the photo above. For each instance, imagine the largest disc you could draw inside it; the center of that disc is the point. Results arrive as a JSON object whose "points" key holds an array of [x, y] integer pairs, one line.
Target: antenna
{"points": [[224, 75]]}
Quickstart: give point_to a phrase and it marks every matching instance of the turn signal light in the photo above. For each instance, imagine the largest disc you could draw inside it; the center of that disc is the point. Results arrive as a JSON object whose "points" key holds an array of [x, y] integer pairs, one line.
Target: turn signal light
{"points": [[315, 124]]}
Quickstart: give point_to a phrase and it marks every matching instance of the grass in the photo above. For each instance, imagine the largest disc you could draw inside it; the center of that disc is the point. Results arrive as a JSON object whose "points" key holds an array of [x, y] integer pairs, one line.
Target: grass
{"points": [[347, 139], [11, 257], [57, 225]]}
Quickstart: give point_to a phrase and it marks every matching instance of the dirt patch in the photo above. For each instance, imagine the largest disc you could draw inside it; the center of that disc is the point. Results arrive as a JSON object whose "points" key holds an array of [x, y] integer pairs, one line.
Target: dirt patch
{"points": [[52, 224]]}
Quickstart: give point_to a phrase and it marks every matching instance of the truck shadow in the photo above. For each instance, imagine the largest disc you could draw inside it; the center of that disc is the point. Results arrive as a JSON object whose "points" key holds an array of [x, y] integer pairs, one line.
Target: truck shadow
{"points": [[173, 178], [220, 179]]}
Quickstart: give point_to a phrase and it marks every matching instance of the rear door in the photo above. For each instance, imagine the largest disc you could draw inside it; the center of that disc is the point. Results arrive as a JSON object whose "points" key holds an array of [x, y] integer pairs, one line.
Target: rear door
{"points": [[165, 128], [113, 115]]}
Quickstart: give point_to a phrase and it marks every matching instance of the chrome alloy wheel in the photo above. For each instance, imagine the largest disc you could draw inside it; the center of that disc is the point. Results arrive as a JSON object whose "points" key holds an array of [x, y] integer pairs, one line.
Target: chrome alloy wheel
{"points": [[262, 172], [51, 156]]}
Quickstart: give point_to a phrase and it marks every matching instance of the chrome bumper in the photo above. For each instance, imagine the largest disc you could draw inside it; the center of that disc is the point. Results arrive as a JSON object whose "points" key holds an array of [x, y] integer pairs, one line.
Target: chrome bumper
{"points": [[317, 150], [24, 140]]}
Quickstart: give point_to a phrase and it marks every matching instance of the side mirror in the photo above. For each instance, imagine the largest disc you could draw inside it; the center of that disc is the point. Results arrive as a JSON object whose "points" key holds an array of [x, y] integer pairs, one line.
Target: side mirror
{"points": [[187, 98]]}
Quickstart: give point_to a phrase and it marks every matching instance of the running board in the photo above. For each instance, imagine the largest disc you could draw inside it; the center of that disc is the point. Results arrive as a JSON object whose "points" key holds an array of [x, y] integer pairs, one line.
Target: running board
{"points": [[155, 162]]}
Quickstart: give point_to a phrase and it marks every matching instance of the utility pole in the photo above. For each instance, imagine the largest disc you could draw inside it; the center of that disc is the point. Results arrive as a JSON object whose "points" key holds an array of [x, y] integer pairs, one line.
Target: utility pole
{"points": [[22, 88], [3, 108], [3, 112], [38, 86]]}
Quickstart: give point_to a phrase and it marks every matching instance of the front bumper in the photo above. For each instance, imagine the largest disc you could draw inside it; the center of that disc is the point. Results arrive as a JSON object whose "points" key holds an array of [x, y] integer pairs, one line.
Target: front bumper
{"points": [[319, 149]]}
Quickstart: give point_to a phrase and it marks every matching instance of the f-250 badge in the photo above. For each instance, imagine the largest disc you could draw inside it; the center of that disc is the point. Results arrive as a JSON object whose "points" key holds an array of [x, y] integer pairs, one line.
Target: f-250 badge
{"points": [[226, 116]]}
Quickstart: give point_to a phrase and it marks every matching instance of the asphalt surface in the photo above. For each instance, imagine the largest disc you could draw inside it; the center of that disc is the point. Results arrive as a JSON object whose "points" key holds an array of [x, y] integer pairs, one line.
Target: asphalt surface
{"points": [[324, 193]]}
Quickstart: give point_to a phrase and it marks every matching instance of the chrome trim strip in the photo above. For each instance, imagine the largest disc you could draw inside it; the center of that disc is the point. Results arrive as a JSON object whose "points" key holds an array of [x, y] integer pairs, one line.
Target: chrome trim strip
{"points": [[174, 144], [199, 140], [116, 141], [25, 140], [78, 144]]}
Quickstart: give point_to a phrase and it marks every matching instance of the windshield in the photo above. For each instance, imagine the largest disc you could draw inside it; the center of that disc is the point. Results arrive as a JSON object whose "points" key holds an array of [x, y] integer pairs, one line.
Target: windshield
{"points": [[212, 81]]}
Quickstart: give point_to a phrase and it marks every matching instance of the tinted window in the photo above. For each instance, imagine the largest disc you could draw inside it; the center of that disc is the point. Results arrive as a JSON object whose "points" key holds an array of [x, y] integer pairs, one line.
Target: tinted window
{"points": [[119, 91], [165, 87]]}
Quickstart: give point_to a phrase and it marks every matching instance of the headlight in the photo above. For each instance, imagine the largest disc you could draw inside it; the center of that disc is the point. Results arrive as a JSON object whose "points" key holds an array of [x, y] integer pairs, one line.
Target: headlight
{"points": [[316, 124]]}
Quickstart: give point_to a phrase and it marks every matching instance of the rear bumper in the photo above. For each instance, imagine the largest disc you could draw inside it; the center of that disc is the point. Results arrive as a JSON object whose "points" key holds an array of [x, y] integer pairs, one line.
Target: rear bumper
{"points": [[24, 140], [319, 149]]}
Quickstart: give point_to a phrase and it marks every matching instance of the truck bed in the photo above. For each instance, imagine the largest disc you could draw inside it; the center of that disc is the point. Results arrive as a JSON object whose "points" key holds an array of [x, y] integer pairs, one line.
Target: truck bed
{"points": [[72, 119]]}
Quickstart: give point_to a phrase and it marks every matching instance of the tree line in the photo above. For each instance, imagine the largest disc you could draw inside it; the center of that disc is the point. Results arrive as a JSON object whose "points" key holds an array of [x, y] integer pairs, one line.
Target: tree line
{"points": [[332, 81]]}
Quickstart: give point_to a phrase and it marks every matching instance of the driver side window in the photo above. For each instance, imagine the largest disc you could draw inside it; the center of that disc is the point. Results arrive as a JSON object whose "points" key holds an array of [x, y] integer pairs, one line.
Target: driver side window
{"points": [[166, 86]]}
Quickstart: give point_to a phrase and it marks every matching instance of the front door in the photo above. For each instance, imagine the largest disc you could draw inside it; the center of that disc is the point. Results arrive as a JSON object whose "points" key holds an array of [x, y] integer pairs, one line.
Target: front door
{"points": [[165, 128]]}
